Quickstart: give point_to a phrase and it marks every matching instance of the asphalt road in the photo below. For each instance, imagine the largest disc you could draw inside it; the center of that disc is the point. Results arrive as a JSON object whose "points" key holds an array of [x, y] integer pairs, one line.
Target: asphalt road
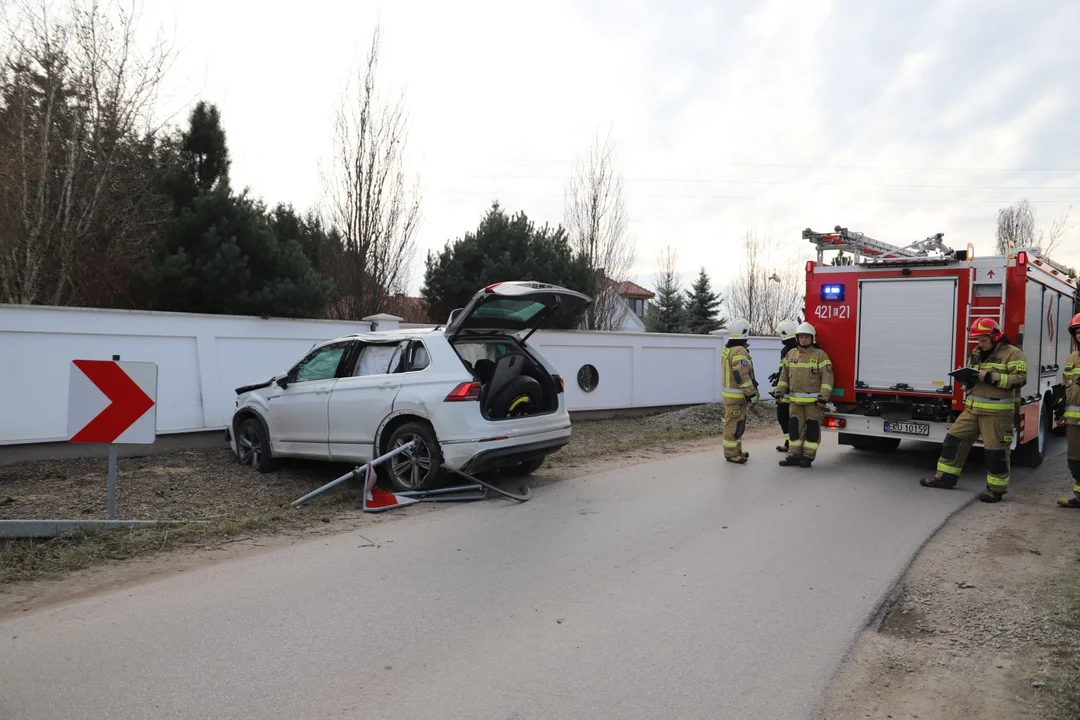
{"points": [[684, 588]]}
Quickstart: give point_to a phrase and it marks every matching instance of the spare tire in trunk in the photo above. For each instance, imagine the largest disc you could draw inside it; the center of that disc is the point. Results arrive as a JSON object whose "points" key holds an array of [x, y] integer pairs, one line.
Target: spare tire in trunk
{"points": [[521, 396]]}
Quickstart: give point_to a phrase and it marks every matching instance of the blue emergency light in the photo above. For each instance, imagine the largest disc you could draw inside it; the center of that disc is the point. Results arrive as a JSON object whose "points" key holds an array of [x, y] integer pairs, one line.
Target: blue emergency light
{"points": [[832, 293]]}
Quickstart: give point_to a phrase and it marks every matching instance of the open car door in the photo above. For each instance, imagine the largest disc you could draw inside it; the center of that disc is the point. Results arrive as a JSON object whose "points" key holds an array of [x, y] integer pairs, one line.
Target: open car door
{"points": [[513, 307]]}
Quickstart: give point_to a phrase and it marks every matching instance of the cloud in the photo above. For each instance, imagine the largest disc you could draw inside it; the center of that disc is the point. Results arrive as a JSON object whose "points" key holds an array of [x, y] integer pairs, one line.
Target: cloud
{"points": [[899, 119]]}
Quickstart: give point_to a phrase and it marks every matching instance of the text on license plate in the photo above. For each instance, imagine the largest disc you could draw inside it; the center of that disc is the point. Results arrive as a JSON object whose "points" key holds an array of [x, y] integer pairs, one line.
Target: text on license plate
{"points": [[907, 428]]}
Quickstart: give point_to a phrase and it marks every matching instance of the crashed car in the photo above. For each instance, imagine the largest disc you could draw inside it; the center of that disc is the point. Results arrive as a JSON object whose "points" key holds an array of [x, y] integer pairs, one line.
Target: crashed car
{"points": [[473, 394]]}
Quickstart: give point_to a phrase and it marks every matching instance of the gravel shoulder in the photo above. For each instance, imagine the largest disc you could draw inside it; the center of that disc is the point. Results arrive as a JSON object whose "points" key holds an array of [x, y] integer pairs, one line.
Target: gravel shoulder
{"points": [[986, 622], [232, 510]]}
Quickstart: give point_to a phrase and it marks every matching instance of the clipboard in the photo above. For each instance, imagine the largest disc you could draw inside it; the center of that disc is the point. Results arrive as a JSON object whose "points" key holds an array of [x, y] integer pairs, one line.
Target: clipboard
{"points": [[965, 375]]}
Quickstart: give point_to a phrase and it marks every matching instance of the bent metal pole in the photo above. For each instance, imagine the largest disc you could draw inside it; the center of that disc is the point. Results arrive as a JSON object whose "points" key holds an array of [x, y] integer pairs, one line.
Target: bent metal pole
{"points": [[360, 470]]}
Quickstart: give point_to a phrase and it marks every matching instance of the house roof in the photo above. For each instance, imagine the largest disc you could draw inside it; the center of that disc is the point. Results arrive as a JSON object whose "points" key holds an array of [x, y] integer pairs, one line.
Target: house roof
{"points": [[632, 290]]}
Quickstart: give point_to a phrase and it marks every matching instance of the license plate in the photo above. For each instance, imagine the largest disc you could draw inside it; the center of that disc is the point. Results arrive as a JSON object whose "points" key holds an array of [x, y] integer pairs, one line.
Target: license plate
{"points": [[907, 428]]}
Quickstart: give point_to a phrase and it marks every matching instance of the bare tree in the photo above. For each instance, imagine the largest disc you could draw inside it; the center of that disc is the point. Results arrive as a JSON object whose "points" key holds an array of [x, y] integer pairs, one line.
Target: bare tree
{"points": [[1015, 227], [1052, 238], [668, 313], [77, 97], [369, 203], [763, 293], [595, 219]]}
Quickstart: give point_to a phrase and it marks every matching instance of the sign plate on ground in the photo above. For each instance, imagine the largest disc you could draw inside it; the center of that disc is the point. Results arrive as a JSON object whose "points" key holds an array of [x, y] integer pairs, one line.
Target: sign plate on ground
{"points": [[112, 402]]}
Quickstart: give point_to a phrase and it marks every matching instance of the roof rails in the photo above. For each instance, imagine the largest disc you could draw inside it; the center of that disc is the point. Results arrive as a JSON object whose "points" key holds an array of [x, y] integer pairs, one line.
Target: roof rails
{"points": [[882, 253]]}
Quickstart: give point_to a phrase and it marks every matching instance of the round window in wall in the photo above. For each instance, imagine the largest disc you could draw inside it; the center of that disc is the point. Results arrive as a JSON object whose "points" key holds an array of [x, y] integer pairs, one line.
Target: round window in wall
{"points": [[588, 378]]}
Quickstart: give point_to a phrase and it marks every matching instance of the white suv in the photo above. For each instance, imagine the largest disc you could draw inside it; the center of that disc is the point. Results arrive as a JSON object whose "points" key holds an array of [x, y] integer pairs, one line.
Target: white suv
{"points": [[474, 395]]}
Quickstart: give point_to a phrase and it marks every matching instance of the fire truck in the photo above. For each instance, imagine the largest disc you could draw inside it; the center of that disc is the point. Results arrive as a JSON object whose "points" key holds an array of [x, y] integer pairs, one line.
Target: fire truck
{"points": [[895, 324]]}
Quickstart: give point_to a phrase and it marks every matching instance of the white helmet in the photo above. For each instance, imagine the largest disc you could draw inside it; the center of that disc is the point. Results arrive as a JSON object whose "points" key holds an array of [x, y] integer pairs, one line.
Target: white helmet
{"points": [[786, 328], [739, 329], [806, 329]]}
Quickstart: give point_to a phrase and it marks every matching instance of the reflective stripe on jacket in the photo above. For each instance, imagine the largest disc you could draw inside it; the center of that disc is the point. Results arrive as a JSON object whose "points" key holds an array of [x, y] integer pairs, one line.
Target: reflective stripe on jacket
{"points": [[738, 370], [1072, 389], [806, 375], [999, 394]]}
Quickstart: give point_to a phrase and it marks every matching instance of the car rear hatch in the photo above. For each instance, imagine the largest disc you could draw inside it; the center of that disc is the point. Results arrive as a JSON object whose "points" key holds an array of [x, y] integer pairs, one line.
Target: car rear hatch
{"points": [[514, 307]]}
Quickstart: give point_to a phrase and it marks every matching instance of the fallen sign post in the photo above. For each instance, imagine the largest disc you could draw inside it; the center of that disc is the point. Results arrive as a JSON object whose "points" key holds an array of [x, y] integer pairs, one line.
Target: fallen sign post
{"points": [[114, 403], [376, 500]]}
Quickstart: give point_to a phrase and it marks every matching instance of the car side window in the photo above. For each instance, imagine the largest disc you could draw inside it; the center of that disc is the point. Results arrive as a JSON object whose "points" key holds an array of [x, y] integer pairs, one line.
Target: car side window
{"points": [[418, 356], [320, 365]]}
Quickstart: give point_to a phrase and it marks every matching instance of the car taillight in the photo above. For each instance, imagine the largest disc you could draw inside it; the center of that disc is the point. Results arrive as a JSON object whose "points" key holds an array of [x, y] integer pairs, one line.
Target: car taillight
{"points": [[561, 384], [836, 423], [464, 392]]}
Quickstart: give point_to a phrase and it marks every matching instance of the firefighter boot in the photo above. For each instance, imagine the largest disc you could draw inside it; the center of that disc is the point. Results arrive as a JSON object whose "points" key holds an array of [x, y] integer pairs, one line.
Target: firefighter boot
{"points": [[990, 496], [805, 461], [945, 482], [1074, 501], [739, 459], [783, 448]]}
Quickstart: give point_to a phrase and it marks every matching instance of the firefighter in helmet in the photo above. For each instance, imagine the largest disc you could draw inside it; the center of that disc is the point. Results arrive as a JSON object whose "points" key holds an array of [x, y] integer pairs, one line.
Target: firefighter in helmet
{"points": [[989, 410], [786, 330], [1069, 408], [740, 389], [806, 382]]}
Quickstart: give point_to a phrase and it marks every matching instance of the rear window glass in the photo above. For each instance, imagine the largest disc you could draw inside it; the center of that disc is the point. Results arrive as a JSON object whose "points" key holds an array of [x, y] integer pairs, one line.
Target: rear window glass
{"points": [[517, 310]]}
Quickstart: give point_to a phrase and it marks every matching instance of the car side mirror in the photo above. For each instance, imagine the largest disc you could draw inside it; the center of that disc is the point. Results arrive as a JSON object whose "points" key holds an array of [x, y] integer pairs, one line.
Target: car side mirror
{"points": [[283, 382]]}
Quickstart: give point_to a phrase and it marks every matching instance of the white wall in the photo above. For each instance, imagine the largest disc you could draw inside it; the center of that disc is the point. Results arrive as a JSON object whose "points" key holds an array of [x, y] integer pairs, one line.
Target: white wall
{"points": [[203, 358]]}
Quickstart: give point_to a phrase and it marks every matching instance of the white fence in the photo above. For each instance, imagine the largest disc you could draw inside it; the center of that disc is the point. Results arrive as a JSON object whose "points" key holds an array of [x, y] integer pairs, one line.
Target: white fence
{"points": [[202, 358]]}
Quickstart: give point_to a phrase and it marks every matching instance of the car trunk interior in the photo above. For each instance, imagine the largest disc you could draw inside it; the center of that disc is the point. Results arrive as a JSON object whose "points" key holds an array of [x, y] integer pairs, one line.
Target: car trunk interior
{"points": [[512, 383]]}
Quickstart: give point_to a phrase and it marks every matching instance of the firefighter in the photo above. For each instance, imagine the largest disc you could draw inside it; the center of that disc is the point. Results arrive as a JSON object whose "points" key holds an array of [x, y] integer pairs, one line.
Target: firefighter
{"points": [[786, 330], [1069, 408], [989, 410], [740, 389], [806, 382]]}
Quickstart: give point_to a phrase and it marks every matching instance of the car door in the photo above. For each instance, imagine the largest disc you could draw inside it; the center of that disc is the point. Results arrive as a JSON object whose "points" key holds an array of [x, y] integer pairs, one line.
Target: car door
{"points": [[362, 398], [299, 423]]}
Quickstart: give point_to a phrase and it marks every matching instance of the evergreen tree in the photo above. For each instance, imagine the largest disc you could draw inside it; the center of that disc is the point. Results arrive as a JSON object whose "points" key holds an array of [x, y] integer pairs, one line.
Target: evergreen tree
{"points": [[702, 307], [668, 314], [505, 248], [219, 252]]}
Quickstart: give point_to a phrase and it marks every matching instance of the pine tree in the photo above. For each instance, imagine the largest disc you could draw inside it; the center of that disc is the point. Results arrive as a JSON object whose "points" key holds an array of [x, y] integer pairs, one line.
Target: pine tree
{"points": [[668, 314], [702, 307]]}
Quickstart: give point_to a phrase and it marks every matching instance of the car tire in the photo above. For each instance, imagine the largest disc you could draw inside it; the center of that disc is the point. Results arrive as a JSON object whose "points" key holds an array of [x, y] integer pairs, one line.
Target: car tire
{"points": [[418, 469], [521, 392], [253, 446], [522, 469]]}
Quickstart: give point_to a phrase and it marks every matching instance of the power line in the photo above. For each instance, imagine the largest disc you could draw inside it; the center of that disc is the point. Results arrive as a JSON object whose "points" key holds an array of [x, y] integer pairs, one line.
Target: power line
{"points": [[681, 196], [838, 167], [789, 182]]}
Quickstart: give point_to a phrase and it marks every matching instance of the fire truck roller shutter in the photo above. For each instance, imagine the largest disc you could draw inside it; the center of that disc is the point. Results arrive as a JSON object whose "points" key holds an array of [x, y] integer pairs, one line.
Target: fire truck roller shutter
{"points": [[888, 354]]}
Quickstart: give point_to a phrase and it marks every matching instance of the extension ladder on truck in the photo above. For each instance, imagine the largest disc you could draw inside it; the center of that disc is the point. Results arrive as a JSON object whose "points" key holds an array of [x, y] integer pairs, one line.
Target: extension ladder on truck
{"points": [[861, 245]]}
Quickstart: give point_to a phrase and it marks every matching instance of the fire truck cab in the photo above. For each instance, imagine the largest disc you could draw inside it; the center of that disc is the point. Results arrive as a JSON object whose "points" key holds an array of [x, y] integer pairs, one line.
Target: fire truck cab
{"points": [[895, 321]]}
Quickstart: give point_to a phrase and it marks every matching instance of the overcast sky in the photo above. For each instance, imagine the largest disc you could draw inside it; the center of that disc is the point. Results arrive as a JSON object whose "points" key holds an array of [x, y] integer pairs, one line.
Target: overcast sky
{"points": [[899, 119]]}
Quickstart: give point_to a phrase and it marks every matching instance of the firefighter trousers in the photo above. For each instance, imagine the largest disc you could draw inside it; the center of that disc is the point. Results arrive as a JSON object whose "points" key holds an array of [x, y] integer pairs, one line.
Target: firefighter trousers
{"points": [[783, 416], [804, 430], [1072, 435], [734, 427], [997, 434]]}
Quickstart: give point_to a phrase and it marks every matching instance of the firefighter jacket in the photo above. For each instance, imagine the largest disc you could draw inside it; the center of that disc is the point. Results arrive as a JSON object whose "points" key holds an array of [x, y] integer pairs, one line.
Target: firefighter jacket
{"points": [[999, 394], [806, 376], [738, 369], [1072, 389]]}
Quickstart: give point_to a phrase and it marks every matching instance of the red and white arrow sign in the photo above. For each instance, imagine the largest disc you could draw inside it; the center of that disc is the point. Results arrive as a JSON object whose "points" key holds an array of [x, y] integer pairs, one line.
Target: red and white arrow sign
{"points": [[112, 402]]}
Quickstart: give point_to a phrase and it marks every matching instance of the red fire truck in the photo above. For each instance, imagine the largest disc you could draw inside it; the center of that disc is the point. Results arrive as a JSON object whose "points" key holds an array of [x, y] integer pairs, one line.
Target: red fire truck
{"points": [[895, 324]]}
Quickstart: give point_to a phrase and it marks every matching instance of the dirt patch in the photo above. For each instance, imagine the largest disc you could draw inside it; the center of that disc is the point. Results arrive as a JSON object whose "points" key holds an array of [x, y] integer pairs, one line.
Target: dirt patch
{"points": [[235, 510], [986, 624]]}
